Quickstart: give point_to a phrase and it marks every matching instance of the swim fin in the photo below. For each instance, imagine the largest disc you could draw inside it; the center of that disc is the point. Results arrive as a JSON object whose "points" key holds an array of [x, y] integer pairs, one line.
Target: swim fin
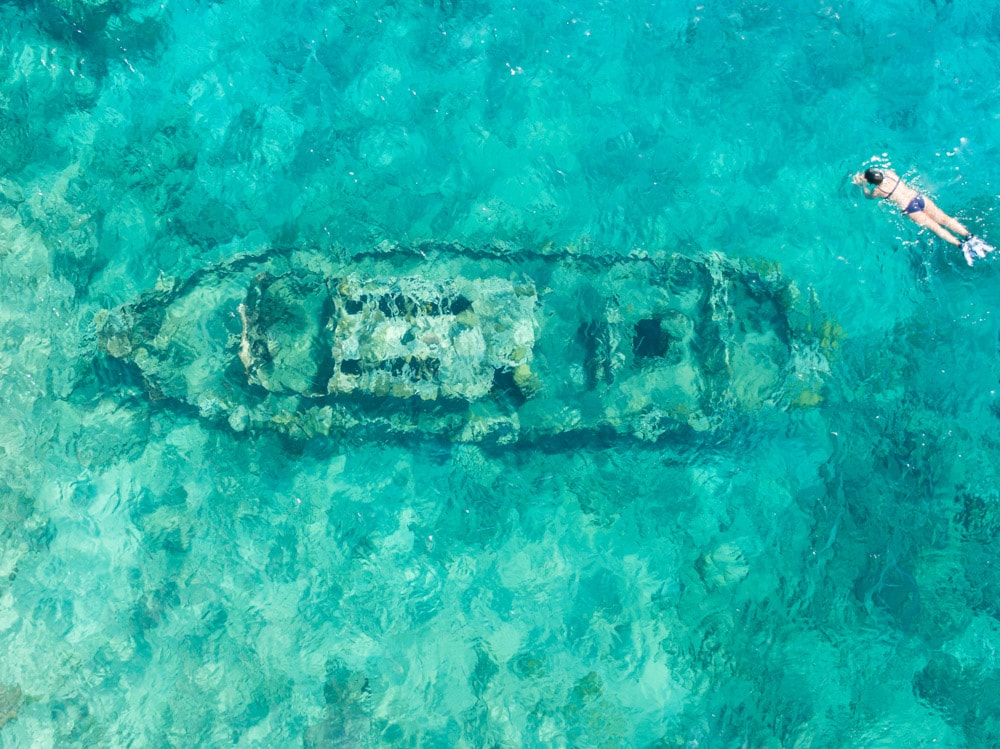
{"points": [[974, 247]]}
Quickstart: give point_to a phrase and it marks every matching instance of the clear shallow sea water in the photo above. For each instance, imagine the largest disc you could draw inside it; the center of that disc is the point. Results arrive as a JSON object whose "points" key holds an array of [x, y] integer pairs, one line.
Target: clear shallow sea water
{"points": [[827, 577]]}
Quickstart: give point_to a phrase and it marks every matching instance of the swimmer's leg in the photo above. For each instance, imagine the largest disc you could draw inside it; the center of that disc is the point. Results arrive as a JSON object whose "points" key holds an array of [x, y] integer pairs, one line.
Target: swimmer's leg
{"points": [[936, 214], [927, 222]]}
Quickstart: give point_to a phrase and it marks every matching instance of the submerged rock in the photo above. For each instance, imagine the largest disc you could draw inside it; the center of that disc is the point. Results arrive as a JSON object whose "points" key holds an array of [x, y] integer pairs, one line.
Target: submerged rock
{"points": [[11, 700], [474, 345]]}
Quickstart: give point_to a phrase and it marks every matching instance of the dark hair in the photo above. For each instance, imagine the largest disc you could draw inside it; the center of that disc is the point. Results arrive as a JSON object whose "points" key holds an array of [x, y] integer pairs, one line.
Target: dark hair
{"points": [[874, 176]]}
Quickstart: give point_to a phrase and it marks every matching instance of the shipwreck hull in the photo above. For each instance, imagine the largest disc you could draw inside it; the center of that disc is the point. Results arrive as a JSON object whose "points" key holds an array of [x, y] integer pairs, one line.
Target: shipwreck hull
{"points": [[474, 345]]}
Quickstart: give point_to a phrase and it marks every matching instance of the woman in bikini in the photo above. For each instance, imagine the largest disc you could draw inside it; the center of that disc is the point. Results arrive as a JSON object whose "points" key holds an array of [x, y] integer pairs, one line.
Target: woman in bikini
{"points": [[886, 184]]}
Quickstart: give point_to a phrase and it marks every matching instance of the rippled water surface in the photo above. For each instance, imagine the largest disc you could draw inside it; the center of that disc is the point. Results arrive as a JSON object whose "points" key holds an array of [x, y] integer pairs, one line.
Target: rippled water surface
{"points": [[821, 576]]}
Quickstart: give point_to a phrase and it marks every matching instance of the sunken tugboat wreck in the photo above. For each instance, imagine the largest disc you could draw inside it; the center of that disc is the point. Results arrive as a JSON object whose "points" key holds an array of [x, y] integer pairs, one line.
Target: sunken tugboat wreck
{"points": [[475, 345]]}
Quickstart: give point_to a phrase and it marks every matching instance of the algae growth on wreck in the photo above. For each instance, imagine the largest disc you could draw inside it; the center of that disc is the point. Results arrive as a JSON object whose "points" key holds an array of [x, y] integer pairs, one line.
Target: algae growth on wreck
{"points": [[474, 345]]}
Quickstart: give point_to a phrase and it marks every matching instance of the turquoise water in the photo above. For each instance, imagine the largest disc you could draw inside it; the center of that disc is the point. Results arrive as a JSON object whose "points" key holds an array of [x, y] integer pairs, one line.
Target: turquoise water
{"points": [[826, 577]]}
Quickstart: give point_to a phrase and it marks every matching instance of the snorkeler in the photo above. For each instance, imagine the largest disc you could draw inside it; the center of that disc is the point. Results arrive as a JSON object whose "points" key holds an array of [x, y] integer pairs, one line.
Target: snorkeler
{"points": [[888, 185]]}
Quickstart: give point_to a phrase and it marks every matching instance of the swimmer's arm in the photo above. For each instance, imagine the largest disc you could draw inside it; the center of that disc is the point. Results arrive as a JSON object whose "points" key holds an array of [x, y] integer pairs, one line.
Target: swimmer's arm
{"points": [[859, 180]]}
